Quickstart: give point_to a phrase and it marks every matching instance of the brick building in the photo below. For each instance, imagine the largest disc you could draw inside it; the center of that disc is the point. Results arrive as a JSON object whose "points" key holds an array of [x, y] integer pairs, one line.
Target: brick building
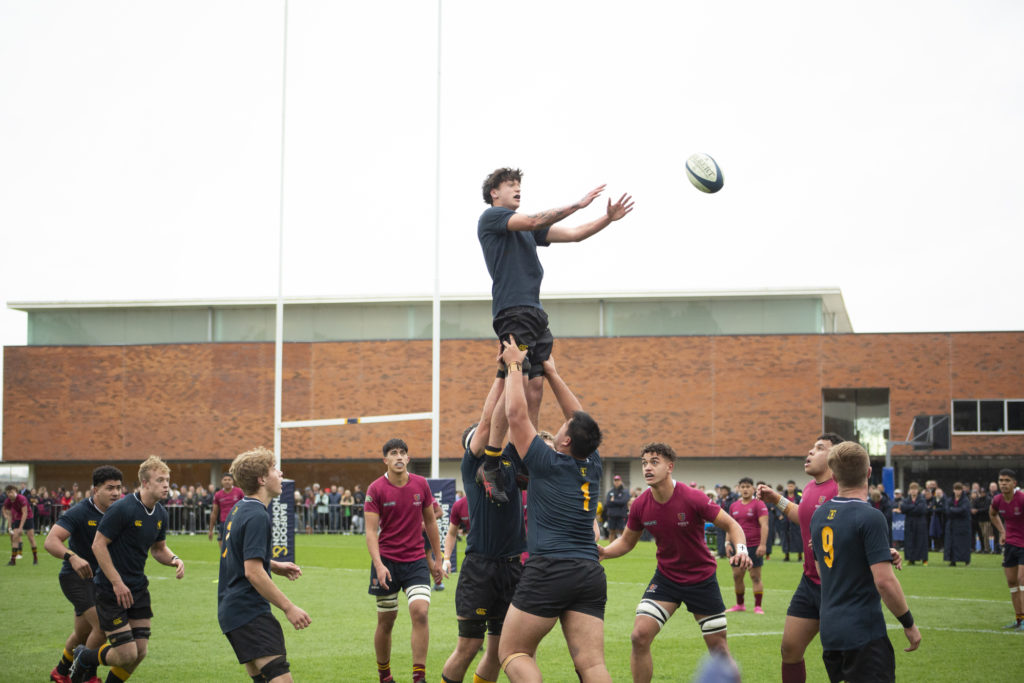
{"points": [[739, 383]]}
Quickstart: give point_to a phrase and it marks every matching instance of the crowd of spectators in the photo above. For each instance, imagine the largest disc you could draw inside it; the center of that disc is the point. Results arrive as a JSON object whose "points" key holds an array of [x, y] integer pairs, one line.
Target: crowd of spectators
{"points": [[331, 510]]}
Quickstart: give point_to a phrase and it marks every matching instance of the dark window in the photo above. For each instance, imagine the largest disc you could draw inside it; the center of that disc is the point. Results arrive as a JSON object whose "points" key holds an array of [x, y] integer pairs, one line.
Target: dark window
{"points": [[858, 414], [991, 416], [1015, 416], [965, 416]]}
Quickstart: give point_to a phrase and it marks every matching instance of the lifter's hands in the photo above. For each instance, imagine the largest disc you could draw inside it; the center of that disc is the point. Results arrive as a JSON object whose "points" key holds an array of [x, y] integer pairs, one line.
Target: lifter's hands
{"points": [[510, 351]]}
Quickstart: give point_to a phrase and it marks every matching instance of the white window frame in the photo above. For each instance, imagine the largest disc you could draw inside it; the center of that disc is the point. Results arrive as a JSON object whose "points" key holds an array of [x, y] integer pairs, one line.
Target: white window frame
{"points": [[977, 408]]}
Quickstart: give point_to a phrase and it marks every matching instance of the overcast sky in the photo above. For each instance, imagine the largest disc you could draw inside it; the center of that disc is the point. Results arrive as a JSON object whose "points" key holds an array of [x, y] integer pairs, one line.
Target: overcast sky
{"points": [[872, 146]]}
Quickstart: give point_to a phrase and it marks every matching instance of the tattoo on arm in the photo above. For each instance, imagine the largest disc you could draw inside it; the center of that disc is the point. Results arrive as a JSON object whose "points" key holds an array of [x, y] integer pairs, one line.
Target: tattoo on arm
{"points": [[552, 216]]}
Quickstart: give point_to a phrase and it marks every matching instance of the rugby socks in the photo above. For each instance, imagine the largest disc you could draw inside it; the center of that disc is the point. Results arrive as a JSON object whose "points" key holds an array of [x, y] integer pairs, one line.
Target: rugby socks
{"points": [[384, 671], [64, 665], [492, 457], [740, 597], [757, 598], [117, 675], [794, 672], [480, 679], [419, 673]]}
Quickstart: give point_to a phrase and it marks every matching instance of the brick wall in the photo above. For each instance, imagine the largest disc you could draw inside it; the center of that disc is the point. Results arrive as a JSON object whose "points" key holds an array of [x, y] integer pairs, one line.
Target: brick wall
{"points": [[710, 397]]}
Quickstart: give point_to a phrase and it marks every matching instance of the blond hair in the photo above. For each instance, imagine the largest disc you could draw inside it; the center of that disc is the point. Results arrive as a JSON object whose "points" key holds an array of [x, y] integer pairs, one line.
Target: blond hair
{"points": [[152, 464], [248, 467], [849, 463]]}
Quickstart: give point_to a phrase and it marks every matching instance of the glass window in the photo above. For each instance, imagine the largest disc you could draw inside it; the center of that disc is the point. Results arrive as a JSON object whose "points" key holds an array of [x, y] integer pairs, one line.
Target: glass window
{"points": [[858, 414], [991, 416], [965, 416], [1015, 416]]}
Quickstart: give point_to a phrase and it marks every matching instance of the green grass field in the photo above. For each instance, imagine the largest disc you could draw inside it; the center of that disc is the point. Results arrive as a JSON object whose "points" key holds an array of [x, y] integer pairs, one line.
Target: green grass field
{"points": [[959, 610]]}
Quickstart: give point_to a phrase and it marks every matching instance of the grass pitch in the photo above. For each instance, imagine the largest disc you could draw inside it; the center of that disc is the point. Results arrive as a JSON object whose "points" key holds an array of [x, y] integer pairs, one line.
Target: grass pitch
{"points": [[959, 611]]}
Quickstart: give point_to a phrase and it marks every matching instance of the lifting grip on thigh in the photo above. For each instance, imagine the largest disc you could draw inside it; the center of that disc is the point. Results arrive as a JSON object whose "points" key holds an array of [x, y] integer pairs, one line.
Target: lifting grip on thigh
{"points": [[515, 655]]}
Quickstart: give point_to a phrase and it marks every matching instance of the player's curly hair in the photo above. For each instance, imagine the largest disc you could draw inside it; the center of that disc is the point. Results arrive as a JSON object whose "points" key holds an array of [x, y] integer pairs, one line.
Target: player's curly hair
{"points": [[497, 177], [248, 467], [658, 448], [106, 473]]}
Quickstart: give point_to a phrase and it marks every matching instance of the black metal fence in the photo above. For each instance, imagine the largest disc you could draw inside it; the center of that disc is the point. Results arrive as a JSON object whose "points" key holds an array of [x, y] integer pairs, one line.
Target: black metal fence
{"points": [[194, 518]]}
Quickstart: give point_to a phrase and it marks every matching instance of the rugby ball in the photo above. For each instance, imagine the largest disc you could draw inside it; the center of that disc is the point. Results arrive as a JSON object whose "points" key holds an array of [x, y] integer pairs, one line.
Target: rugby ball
{"points": [[704, 173]]}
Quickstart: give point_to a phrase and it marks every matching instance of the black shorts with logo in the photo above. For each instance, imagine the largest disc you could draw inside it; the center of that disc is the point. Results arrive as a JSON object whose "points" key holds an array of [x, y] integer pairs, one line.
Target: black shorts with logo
{"points": [[704, 598], [113, 617], [806, 602], [81, 593], [875, 661], [404, 575], [1013, 555], [486, 587], [261, 637], [529, 326], [552, 585]]}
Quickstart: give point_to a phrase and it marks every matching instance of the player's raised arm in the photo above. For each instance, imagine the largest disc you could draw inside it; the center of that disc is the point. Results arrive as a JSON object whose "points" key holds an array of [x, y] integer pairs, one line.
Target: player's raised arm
{"points": [[614, 212], [521, 430], [772, 497], [547, 218], [567, 401], [478, 441]]}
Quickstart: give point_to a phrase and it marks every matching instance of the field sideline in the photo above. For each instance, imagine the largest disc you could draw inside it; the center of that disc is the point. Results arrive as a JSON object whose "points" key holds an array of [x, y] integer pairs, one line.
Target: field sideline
{"points": [[959, 611]]}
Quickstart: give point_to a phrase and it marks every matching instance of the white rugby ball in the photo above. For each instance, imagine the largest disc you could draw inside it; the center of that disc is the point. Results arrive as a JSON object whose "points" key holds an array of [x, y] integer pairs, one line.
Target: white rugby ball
{"points": [[704, 173]]}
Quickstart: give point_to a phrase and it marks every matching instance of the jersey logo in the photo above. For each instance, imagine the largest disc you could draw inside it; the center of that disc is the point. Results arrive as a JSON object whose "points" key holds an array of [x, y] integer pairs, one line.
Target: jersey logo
{"points": [[653, 587], [415, 498], [138, 522], [482, 611], [92, 522], [583, 471], [118, 621], [369, 498], [831, 514], [159, 524]]}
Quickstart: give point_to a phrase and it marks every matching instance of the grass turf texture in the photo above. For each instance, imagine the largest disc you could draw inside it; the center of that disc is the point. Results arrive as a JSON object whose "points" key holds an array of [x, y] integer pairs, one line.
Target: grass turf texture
{"points": [[959, 611]]}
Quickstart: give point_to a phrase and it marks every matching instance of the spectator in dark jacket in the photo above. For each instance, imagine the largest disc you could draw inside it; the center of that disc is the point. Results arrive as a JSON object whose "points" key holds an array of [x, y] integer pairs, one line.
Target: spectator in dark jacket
{"points": [[958, 527], [915, 529]]}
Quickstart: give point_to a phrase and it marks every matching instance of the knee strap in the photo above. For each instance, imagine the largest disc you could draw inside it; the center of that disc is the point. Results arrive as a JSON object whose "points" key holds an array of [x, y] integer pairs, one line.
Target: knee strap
{"points": [[472, 628], [508, 660], [275, 667], [413, 593], [649, 608], [713, 624], [141, 633], [121, 638], [387, 603]]}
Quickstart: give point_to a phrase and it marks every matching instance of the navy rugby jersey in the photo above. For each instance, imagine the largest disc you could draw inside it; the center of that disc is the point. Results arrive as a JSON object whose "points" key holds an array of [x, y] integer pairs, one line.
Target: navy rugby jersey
{"points": [[81, 522], [247, 537], [494, 530], [132, 530]]}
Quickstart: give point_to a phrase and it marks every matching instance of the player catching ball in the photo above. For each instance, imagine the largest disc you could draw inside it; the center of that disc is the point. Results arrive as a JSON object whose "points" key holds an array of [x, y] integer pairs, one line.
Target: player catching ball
{"points": [[509, 241], [675, 515]]}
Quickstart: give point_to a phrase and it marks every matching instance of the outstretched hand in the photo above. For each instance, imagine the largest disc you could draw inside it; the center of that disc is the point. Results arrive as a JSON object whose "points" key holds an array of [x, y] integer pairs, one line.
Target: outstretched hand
{"points": [[590, 196], [620, 208]]}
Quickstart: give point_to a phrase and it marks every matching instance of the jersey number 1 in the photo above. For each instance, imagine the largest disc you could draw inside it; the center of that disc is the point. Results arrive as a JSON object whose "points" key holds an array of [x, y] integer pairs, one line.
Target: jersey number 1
{"points": [[586, 495]]}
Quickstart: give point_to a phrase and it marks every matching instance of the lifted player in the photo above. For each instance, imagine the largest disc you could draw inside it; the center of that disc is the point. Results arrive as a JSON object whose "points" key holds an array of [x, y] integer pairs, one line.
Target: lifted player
{"points": [[19, 521], [398, 509], [752, 515], [227, 495], [509, 241], [1007, 515], [245, 588], [675, 515], [850, 543], [490, 568], [78, 526], [131, 529]]}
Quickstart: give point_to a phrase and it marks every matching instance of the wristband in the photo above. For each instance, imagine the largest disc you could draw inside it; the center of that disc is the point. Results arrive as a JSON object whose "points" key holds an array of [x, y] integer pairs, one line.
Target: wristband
{"points": [[740, 548], [907, 620], [68, 556], [782, 505], [515, 365], [500, 374], [173, 558]]}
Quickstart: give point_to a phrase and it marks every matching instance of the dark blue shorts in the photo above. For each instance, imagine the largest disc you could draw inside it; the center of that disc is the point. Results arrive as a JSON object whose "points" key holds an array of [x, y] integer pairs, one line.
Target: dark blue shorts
{"points": [[529, 326], [552, 585], [1013, 555], [81, 593], [485, 590], [704, 598], [404, 575], [806, 602], [874, 661]]}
